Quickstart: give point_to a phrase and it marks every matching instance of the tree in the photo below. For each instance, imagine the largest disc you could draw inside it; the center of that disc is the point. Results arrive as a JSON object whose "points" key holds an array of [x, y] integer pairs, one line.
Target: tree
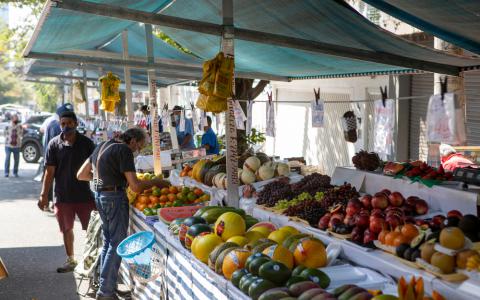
{"points": [[47, 96]]}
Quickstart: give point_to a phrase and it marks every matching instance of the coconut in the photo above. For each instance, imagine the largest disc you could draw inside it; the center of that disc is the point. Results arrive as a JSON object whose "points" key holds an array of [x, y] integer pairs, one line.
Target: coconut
{"points": [[252, 164], [247, 177], [265, 173], [282, 169]]}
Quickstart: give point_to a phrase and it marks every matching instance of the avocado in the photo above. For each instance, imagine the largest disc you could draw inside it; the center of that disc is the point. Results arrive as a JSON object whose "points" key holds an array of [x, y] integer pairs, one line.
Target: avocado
{"points": [[246, 281], [400, 250], [316, 276], [298, 270], [416, 254], [275, 294], [294, 279], [257, 263], [258, 287], [237, 276], [408, 254], [341, 289], [418, 240], [252, 257], [350, 293], [275, 271]]}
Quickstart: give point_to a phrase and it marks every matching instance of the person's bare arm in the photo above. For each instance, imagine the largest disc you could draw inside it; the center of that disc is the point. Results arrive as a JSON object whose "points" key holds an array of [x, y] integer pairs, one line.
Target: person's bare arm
{"points": [[139, 186], [85, 172], [46, 186]]}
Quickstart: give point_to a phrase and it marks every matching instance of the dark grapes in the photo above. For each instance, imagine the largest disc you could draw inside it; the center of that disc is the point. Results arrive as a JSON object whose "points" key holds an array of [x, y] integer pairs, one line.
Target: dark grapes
{"points": [[308, 210], [274, 192]]}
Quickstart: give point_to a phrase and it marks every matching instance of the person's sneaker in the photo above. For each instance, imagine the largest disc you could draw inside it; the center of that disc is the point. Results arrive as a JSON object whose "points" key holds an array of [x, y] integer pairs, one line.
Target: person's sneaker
{"points": [[68, 266], [113, 297]]}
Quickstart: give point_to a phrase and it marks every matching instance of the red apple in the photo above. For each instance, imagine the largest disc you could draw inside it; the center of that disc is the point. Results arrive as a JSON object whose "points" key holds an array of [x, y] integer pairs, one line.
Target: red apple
{"points": [[454, 213], [362, 221], [349, 221], [334, 221], [323, 222], [357, 234], [396, 199], [369, 236], [438, 220], [377, 212], [393, 221], [353, 207], [409, 219], [386, 192], [366, 201], [421, 207], [380, 201], [411, 201], [376, 224]]}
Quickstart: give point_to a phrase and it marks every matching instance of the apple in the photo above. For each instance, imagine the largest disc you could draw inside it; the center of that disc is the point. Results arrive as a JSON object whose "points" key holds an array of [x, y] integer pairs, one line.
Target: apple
{"points": [[409, 219], [333, 222], [408, 210], [396, 199], [438, 221], [377, 212], [386, 192], [349, 221], [393, 221], [369, 236], [366, 201], [353, 207], [376, 224], [454, 213], [365, 212], [421, 207], [324, 221], [362, 221], [380, 200], [411, 201]]}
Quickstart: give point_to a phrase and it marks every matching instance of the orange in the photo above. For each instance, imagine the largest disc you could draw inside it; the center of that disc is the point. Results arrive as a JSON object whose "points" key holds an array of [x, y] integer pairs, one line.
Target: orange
{"points": [[400, 239], [151, 205], [183, 174], [143, 199], [390, 237], [409, 231], [172, 197], [198, 192], [163, 199], [164, 191], [153, 199], [173, 189], [190, 173], [141, 207], [382, 235]]}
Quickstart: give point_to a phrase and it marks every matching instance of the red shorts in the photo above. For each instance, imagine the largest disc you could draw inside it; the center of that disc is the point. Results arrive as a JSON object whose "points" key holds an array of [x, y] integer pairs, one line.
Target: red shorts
{"points": [[65, 213]]}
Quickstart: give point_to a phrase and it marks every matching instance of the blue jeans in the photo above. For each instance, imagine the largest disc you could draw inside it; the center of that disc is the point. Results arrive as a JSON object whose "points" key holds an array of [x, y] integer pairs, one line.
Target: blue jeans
{"points": [[113, 210], [16, 159]]}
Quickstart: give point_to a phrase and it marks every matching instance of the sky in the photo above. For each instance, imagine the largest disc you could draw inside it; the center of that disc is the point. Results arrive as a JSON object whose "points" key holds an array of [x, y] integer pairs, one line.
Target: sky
{"points": [[18, 16]]}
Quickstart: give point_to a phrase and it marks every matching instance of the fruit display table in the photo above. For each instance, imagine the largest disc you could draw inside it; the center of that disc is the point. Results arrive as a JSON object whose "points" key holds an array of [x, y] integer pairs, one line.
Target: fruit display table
{"points": [[376, 259], [183, 277], [439, 197]]}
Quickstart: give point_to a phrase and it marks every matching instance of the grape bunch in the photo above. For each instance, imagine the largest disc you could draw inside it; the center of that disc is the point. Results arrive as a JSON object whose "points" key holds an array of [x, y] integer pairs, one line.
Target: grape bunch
{"points": [[312, 184], [308, 210], [339, 195], [285, 203], [274, 192]]}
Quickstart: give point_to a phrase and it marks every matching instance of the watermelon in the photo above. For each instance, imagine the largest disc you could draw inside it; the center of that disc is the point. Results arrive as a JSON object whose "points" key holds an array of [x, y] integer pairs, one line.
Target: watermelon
{"points": [[193, 231], [265, 224], [168, 214], [187, 223]]}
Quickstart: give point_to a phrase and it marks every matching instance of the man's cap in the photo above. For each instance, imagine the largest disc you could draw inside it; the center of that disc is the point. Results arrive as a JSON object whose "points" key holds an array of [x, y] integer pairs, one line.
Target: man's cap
{"points": [[64, 108]]}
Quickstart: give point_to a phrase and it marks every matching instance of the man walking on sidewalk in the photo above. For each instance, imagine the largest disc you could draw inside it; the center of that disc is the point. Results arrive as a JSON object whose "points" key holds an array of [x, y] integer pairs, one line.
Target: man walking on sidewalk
{"points": [[65, 154]]}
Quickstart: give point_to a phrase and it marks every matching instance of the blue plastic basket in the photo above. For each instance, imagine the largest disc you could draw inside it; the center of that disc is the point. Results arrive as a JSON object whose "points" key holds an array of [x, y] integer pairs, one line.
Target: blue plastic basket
{"points": [[137, 252]]}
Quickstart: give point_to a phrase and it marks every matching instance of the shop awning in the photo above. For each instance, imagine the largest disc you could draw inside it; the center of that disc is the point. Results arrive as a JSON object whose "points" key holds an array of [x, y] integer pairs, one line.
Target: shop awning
{"points": [[301, 39], [457, 22]]}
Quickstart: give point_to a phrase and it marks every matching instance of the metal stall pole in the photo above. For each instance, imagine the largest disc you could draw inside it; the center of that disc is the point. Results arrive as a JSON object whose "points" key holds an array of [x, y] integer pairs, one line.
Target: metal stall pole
{"points": [[128, 81], [230, 130], [152, 87], [85, 91]]}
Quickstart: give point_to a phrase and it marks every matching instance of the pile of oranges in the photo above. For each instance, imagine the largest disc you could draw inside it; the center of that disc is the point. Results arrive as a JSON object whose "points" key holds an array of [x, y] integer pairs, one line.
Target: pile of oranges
{"points": [[170, 197], [401, 235]]}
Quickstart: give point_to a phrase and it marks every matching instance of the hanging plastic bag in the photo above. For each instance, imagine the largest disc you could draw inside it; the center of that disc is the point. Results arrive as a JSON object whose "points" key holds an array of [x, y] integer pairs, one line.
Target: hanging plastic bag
{"points": [[317, 113], [445, 120], [249, 116], [110, 94], [216, 104], [349, 124], [270, 130], [240, 117], [78, 92], [224, 76], [384, 127], [196, 126], [207, 84], [182, 121]]}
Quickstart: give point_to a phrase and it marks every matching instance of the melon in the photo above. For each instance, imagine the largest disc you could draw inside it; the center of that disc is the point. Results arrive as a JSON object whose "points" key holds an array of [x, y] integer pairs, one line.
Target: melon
{"points": [[229, 224], [235, 260], [208, 178], [169, 214], [262, 157], [252, 164], [239, 240], [212, 258], [269, 225], [247, 177], [282, 169], [182, 233], [220, 180], [310, 253], [197, 167], [203, 245], [194, 231], [280, 254], [204, 170], [279, 235], [265, 173]]}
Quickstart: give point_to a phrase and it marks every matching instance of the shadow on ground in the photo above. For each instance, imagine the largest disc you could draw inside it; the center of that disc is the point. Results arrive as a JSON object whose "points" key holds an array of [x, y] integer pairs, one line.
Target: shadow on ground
{"points": [[21, 188], [24, 270]]}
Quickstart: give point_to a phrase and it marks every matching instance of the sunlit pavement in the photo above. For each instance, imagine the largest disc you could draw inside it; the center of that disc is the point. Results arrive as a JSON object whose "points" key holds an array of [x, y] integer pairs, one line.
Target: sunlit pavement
{"points": [[31, 245]]}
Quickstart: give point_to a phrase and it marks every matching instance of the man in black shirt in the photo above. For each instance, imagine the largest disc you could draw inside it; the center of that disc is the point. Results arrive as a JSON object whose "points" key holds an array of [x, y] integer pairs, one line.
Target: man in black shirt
{"points": [[112, 167], [65, 154]]}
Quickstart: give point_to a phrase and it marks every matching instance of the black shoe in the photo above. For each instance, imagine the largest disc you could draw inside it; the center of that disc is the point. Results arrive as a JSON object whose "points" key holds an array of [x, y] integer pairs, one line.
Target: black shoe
{"points": [[124, 294]]}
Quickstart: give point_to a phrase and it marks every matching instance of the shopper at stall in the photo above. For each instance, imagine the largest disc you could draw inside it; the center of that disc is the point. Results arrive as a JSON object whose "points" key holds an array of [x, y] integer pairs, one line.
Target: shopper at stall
{"points": [[112, 167], [65, 154], [452, 160], [13, 141], [209, 138], [184, 135]]}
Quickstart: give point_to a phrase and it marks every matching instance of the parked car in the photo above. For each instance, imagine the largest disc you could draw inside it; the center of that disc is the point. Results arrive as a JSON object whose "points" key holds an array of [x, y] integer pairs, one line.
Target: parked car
{"points": [[32, 146]]}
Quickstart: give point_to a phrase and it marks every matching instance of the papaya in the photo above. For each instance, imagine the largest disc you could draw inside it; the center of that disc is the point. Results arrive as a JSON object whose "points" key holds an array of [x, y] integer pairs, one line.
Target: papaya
{"points": [[221, 258], [212, 258], [262, 246], [211, 215], [234, 260], [199, 212], [293, 238], [275, 294], [294, 279]]}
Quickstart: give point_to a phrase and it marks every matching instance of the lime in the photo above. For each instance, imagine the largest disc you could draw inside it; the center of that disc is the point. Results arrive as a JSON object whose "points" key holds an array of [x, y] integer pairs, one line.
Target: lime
{"points": [[191, 196], [185, 190], [177, 203], [156, 192]]}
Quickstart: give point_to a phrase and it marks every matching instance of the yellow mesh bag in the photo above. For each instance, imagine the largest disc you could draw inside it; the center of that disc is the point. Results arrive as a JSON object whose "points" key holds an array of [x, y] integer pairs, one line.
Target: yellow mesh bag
{"points": [[224, 77]]}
